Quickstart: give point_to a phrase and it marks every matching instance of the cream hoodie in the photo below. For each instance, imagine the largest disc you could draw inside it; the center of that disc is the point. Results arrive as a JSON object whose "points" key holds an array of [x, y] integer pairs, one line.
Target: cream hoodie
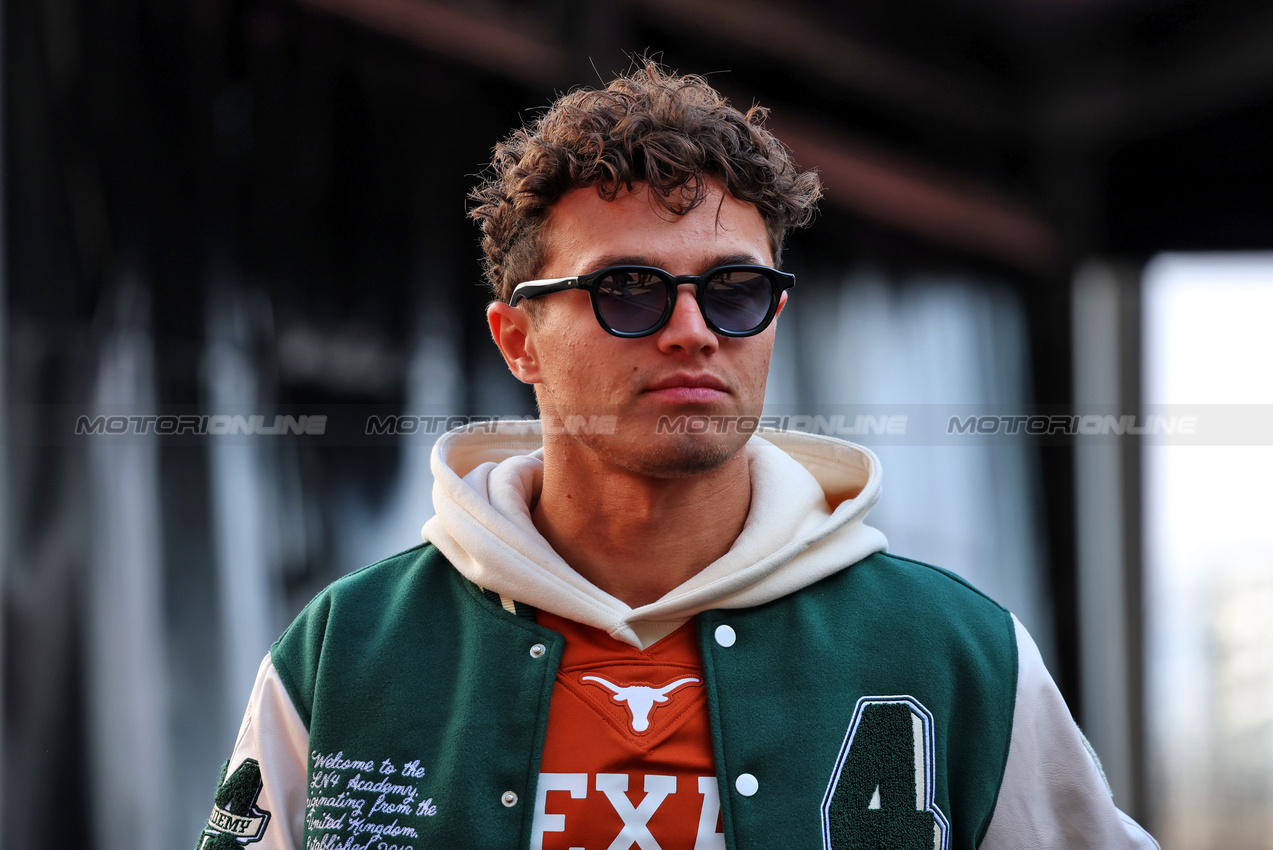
{"points": [[809, 497]]}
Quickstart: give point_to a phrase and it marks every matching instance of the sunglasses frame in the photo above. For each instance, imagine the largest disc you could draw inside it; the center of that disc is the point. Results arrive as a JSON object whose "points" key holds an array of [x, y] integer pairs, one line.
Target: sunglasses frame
{"points": [[779, 282]]}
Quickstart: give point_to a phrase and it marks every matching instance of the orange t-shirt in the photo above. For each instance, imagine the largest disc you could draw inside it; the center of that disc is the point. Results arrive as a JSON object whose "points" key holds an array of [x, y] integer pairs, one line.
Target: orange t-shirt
{"points": [[628, 754]]}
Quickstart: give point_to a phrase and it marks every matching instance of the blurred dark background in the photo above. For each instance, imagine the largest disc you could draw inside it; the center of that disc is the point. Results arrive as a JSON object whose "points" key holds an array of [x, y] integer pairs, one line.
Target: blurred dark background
{"points": [[258, 206]]}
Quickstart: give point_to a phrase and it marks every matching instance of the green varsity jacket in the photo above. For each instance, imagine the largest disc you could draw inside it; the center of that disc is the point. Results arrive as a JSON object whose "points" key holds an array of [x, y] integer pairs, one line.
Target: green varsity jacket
{"points": [[872, 709]]}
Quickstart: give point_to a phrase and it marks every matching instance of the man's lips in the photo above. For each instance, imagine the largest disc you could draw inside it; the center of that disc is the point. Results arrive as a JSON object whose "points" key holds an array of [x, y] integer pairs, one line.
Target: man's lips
{"points": [[688, 389]]}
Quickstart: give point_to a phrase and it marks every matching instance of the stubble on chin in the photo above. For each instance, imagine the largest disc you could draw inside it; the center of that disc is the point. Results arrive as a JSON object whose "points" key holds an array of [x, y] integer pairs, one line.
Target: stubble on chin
{"points": [[638, 443], [669, 455]]}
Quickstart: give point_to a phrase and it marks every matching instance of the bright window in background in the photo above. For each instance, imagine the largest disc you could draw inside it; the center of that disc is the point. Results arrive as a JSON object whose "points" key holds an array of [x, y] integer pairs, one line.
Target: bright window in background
{"points": [[1209, 555]]}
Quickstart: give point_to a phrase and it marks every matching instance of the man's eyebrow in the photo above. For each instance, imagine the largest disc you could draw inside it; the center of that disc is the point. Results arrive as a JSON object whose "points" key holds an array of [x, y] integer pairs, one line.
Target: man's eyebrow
{"points": [[736, 260], [608, 260], [620, 260]]}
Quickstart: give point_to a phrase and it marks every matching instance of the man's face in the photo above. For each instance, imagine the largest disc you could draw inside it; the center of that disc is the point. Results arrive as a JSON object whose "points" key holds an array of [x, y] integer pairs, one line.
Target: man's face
{"points": [[684, 369]]}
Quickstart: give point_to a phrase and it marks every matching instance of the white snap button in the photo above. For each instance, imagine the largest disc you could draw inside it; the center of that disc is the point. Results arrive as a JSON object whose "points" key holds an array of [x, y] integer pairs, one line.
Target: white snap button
{"points": [[726, 636], [510, 799], [746, 784], [538, 650]]}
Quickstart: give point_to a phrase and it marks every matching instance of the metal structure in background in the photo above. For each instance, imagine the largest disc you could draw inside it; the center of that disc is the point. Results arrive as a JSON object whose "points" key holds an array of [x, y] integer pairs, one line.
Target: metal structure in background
{"points": [[4, 409], [126, 659], [207, 158], [1106, 322]]}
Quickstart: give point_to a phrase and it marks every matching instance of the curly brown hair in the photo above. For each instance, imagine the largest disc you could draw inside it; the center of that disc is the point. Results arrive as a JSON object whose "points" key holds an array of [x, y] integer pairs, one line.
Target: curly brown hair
{"points": [[650, 126]]}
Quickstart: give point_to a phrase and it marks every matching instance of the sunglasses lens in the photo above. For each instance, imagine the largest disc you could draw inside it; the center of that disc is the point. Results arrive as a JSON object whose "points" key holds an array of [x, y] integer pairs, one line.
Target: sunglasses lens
{"points": [[631, 301], [737, 301]]}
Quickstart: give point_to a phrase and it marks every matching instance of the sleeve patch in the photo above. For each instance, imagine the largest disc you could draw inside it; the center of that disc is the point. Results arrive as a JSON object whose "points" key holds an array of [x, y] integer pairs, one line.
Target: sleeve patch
{"points": [[236, 820]]}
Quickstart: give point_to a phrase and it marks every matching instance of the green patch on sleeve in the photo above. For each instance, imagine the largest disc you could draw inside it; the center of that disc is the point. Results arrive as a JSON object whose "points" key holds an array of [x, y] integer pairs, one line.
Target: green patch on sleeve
{"points": [[236, 820]]}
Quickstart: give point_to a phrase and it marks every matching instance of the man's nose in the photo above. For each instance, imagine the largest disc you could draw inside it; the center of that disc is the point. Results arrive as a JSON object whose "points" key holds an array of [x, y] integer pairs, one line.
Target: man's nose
{"points": [[687, 329]]}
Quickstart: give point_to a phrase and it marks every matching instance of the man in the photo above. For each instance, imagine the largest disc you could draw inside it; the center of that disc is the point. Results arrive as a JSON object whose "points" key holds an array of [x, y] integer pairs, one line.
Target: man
{"points": [[622, 632]]}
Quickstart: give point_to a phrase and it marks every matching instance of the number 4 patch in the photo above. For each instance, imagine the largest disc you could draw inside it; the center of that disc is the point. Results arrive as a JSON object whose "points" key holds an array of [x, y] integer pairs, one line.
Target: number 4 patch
{"points": [[881, 792], [236, 818]]}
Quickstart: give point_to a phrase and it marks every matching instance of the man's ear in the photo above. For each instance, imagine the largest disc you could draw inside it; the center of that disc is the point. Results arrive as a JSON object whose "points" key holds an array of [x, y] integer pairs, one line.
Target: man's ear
{"points": [[514, 336], [782, 302]]}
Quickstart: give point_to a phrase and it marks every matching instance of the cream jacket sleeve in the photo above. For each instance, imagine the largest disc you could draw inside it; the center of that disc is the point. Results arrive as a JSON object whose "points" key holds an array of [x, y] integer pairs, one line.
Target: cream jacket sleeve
{"points": [[1053, 795], [274, 736]]}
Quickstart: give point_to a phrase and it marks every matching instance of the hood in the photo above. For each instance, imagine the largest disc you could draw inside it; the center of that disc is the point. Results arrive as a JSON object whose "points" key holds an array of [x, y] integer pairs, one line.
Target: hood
{"points": [[810, 495]]}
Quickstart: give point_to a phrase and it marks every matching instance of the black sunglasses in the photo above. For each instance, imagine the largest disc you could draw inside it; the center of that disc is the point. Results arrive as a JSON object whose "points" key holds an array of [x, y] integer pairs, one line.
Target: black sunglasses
{"points": [[635, 301]]}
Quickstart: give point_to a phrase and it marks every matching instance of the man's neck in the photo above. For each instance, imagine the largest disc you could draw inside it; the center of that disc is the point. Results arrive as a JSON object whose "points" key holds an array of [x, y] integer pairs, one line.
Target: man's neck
{"points": [[637, 537]]}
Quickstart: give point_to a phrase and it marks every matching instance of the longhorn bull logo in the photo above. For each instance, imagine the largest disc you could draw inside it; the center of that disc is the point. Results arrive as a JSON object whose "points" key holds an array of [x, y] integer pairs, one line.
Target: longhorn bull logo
{"points": [[640, 699]]}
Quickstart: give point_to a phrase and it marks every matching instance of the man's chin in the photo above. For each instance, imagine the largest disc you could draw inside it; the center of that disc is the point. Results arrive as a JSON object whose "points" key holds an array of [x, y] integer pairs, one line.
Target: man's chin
{"points": [[671, 447], [683, 461], [677, 455]]}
